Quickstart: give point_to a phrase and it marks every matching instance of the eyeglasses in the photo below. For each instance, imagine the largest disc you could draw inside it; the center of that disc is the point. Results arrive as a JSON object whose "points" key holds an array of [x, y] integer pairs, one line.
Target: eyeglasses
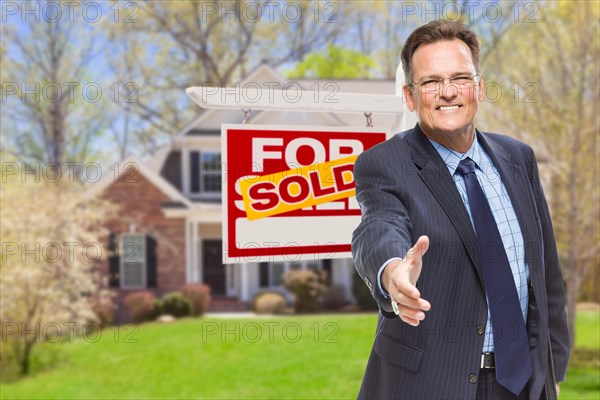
{"points": [[434, 85]]}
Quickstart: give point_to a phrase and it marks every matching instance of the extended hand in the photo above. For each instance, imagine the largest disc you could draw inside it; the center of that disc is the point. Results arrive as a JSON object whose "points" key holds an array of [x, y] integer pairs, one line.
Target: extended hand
{"points": [[399, 279]]}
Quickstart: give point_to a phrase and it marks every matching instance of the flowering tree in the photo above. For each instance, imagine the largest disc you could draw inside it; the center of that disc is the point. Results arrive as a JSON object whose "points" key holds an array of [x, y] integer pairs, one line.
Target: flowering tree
{"points": [[48, 283]]}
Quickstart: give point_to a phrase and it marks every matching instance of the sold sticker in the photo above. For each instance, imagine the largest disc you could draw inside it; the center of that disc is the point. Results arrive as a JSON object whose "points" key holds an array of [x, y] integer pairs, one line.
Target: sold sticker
{"points": [[298, 188]]}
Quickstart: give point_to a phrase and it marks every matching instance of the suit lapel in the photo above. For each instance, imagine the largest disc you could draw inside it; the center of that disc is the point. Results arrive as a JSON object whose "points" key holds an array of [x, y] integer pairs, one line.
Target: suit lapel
{"points": [[436, 177], [516, 182]]}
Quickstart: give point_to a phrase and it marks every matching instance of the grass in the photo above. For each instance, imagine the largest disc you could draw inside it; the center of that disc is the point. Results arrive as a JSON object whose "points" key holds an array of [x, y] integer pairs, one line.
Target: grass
{"points": [[311, 357], [583, 375], [320, 356]]}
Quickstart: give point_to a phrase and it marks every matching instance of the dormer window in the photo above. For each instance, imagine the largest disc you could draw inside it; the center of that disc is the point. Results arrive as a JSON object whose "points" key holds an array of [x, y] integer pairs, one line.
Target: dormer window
{"points": [[205, 173]]}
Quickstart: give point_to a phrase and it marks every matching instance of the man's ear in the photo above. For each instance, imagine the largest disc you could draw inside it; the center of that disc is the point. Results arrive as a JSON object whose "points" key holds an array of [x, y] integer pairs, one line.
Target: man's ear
{"points": [[408, 96], [481, 92]]}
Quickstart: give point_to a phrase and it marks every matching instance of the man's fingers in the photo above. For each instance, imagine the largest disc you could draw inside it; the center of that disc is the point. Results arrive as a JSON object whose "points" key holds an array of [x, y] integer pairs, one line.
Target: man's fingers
{"points": [[406, 298], [418, 250], [411, 313], [411, 302], [408, 289], [409, 321]]}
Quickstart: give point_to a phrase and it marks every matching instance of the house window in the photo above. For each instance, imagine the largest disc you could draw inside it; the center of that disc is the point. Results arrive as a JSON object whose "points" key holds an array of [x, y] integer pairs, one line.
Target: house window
{"points": [[205, 176], [133, 261], [277, 271]]}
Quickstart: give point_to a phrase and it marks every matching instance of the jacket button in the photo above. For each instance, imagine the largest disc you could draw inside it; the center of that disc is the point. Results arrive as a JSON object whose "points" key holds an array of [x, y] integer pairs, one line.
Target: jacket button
{"points": [[472, 378], [480, 329]]}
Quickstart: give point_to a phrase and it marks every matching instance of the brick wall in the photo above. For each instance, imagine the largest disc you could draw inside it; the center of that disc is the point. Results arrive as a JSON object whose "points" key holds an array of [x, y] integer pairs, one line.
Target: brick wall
{"points": [[139, 203]]}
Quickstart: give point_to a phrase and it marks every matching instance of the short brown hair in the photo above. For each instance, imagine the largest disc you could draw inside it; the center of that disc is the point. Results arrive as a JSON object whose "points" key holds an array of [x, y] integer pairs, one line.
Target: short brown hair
{"points": [[437, 31]]}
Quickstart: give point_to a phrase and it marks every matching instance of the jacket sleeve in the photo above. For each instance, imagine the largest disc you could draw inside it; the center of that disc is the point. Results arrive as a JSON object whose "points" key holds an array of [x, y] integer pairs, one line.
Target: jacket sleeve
{"points": [[385, 229], [557, 316]]}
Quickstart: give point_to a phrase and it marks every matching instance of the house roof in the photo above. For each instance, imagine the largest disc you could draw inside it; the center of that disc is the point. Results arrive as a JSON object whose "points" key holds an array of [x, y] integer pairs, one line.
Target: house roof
{"points": [[156, 160], [152, 176], [208, 122]]}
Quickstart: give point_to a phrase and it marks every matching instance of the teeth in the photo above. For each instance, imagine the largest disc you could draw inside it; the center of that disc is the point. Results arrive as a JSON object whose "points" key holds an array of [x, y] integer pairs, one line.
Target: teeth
{"points": [[448, 108]]}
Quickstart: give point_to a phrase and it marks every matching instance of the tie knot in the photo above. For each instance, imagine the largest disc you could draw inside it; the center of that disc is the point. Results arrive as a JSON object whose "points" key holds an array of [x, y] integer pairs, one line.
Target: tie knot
{"points": [[465, 167]]}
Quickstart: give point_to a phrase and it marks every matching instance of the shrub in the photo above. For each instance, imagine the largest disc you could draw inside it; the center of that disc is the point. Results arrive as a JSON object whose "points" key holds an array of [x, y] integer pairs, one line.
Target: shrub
{"points": [[176, 304], [199, 297], [269, 303], [158, 309], [307, 286], [104, 308], [361, 292], [140, 305], [333, 298]]}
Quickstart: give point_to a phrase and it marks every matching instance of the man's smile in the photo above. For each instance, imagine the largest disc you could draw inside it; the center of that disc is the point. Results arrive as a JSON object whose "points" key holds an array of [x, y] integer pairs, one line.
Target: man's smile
{"points": [[448, 107]]}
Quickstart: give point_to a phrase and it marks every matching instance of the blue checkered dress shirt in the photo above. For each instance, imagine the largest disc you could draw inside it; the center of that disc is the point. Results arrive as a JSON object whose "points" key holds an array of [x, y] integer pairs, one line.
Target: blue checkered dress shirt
{"points": [[503, 212]]}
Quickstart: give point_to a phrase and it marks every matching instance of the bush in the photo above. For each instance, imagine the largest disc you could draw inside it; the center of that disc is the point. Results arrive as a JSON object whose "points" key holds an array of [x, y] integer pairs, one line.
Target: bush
{"points": [[334, 298], [269, 303], [361, 292], [140, 305], [104, 308], [307, 286], [176, 304], [199, 297], [158, 309]]}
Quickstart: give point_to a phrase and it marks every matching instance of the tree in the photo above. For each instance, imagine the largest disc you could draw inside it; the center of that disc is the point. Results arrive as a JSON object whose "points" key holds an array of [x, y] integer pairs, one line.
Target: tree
{"points": [[335, 63], [179, 44], [543, 81], [48, 282], [47, 116]]}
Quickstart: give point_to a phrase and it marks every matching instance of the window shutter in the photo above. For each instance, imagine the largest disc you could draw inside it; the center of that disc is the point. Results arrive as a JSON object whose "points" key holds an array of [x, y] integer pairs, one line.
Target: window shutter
{"points": [[263, 275], [195, 171], [114, 280], [151, 280], [326, 265]]}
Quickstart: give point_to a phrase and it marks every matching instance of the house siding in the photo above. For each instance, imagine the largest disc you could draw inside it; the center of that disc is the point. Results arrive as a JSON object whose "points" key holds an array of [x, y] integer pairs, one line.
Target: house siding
{"points": [[139, 203]]}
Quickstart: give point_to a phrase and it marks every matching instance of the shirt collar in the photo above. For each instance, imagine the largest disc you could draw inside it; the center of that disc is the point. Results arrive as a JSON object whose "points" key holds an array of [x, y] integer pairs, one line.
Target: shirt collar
{"points": [[451, 157]]}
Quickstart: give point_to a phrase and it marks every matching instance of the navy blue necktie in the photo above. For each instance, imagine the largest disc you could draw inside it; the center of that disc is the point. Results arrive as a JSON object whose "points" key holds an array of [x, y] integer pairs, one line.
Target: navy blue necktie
{"points": [[511, 347]]}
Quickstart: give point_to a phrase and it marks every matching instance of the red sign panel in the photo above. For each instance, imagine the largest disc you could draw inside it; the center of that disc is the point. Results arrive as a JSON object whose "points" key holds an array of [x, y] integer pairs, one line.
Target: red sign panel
{"points": [[284, 155]]}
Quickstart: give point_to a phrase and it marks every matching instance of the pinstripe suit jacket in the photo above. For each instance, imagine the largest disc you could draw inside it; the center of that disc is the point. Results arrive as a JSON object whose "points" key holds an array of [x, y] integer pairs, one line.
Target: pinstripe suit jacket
{"points": [[405, 191]]}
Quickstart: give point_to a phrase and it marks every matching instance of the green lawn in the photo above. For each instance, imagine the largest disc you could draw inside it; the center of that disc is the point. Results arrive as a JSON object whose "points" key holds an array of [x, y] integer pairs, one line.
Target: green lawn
{"points": [[287, 357], [583, 376]]}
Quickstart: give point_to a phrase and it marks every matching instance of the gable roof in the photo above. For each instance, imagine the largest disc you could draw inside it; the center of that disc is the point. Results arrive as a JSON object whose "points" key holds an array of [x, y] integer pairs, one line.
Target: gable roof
{"points": [[153, 177]]}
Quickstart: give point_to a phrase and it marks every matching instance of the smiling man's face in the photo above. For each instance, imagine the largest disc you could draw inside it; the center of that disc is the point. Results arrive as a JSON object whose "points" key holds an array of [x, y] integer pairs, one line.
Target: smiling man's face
{"points": [[448, 114]]}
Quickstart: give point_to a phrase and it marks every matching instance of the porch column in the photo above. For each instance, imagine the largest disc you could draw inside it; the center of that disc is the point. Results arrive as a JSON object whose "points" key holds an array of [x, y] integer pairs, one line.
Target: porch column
{"points": [[197, 257], [188, 252], [346, 270], [244, 282]]}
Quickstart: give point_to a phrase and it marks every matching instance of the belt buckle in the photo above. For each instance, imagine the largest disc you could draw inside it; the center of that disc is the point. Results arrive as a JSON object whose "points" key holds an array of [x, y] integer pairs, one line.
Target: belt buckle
{"points": [[487, 361]]}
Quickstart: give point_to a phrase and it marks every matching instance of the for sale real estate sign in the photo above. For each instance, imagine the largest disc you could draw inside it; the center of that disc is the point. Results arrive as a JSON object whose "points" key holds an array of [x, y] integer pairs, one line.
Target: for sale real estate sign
{"points": [[289, 192]]}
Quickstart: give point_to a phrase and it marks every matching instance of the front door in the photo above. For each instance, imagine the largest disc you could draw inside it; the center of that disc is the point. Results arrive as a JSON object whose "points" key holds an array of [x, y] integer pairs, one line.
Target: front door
{"points": [[214, 270]]}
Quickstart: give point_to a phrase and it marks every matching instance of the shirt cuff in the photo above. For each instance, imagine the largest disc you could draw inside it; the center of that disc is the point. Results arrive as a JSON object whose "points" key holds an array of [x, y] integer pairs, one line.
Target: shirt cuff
{"points": [[381, 289]]}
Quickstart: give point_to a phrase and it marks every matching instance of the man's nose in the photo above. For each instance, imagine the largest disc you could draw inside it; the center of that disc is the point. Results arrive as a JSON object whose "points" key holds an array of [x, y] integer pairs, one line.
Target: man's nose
{"points": [[449, 90]]}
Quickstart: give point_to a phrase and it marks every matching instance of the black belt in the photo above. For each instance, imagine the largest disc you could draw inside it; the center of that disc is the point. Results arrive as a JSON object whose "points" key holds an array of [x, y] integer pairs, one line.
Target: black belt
{"points": [[487, 361]]}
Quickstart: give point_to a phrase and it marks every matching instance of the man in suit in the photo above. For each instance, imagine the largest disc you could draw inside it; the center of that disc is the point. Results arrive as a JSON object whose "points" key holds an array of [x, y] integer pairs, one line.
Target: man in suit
{"points": [[456, 244]]}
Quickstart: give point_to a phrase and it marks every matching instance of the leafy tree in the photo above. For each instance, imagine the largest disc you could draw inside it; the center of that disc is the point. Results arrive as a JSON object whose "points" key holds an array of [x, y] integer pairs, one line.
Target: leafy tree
{"points": [[53, 111], [544, 87], [335, 63], [180, 44]]}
